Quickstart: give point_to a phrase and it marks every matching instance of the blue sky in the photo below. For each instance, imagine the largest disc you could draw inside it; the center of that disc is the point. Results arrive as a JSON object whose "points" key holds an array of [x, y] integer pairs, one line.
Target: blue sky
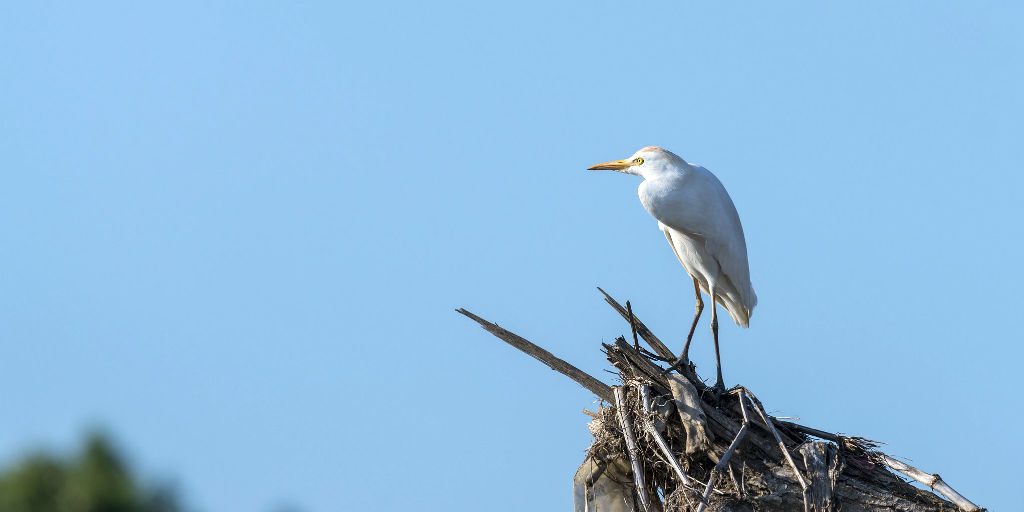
{"points": [[234, 233]]}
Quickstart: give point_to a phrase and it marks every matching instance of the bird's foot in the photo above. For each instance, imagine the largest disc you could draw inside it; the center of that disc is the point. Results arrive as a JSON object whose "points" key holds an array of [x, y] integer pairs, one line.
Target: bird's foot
{"points": [[714, 394], [680, 364]]}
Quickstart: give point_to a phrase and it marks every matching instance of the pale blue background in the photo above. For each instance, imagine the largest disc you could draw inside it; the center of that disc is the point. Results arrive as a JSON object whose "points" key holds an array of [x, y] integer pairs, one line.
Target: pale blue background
{"points": [[235, 234]]}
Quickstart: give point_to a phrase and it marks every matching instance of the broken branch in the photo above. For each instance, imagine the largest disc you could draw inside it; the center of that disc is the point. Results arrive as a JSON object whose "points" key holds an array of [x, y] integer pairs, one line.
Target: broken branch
{"points": [[641, 329], [934, 482], [602, 390]]}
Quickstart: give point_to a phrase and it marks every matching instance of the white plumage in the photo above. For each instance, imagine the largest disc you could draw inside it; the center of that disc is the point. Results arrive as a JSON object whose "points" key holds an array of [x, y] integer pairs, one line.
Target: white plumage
{"points": [[698, 218]]}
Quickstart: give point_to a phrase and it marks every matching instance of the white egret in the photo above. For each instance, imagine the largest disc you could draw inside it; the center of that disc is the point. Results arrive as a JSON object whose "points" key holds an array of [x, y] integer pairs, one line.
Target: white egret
{"points": [[702, 227]]}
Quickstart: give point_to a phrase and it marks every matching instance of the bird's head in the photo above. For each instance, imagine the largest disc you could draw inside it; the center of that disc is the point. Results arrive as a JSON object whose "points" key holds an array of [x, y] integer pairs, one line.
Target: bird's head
{"points": [[646, 162]]}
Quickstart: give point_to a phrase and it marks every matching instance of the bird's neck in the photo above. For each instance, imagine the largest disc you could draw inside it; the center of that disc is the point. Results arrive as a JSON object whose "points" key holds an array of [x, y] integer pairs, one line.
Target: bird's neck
{"points": [[663, 172]]}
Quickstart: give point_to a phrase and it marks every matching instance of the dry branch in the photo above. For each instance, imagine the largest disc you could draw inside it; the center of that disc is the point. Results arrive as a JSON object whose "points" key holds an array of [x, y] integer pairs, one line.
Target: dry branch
{"points": [[933, 481], [557, 364]]}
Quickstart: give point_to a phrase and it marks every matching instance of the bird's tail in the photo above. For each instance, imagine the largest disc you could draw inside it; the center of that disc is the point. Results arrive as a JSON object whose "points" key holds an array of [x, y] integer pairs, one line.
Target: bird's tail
{"points": [[740, 310]]}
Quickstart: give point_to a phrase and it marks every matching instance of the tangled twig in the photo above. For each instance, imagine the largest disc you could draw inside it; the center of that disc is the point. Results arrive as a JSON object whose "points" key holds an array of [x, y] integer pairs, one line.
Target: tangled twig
{"points": [[666, 452], [724, 461], [626, 423]]}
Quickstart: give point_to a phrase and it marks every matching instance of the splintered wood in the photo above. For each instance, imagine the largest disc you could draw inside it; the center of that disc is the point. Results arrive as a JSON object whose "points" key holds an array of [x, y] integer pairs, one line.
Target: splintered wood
{"points": [[663, 441]]}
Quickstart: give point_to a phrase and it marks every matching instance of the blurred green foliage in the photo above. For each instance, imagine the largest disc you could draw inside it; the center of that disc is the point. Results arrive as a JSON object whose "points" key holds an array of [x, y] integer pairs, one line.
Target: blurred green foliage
{"points": [[96, 479]]}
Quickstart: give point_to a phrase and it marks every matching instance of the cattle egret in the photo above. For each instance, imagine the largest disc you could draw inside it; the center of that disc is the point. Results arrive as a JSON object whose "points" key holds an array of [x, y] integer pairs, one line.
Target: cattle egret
{"points": [[698, 218]]}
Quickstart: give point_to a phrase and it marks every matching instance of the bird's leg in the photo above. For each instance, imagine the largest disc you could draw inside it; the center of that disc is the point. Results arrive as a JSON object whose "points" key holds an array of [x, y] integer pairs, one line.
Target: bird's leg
{"points": [[685, 357], [719, 383]]}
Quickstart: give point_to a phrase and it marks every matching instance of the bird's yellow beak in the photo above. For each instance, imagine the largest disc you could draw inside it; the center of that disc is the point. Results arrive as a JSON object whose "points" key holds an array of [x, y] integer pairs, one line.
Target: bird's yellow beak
{"points": [[614, 165]]}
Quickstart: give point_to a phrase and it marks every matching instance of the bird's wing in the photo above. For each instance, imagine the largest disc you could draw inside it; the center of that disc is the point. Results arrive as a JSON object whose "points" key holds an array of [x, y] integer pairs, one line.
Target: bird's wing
{"points": [[668, 236], [707, 211], [671, 243], [730, 250]]}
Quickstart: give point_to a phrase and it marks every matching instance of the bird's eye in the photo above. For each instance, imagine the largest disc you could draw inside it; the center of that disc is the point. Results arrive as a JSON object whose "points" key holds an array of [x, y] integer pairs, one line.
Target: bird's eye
{"points": [[638, 161]]}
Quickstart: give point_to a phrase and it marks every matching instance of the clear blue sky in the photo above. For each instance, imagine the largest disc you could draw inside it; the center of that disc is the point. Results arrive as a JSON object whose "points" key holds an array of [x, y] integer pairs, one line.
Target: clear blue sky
{"points": [[235, 233]]}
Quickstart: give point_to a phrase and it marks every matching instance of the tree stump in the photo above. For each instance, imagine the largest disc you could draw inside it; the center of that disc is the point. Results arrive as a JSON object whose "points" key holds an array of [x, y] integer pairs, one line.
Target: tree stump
{"points": [[663, 441]]}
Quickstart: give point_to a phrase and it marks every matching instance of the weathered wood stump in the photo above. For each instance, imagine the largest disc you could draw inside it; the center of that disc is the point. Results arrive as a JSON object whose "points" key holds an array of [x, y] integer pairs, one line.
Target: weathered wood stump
{"points": [[666, 442]]}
